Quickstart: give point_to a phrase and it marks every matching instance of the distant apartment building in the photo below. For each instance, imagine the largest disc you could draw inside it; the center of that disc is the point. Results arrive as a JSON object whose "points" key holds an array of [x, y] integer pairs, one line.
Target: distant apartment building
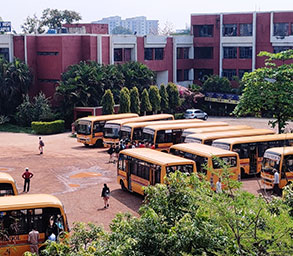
{"points": [[227, 44], [137, 25]]}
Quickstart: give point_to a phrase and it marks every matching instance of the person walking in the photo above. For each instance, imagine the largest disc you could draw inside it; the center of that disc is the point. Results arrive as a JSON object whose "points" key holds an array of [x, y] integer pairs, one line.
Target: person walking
{"points": [[26, 176], [106, 195], [219, 186], [110, 152], [276, 189], [33, 239], [41, 146]]}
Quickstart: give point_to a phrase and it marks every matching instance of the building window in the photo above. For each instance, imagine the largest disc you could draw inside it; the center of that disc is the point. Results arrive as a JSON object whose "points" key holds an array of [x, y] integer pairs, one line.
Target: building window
{"points": [[229, 73], [230, 52], [4, 53], [203, 52], [47, 53], [202, 74], [186, 74], [245, 30], [154, 53], [127, 54], [159, 53], [278, 49], [230, 30], [241, 72], [203, 30], [118, 54], [245, 52], [179, 75], [183, 53], [281, 29]]}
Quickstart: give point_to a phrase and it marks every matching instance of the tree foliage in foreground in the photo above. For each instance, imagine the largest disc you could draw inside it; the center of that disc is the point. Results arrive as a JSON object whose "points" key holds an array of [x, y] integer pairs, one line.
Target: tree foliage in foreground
{"points": [[145, 102], [108, 103], [269, 90], [173, 94], [186, 217], [164, 98], [155, 98], [134, 101], [124, 101]]}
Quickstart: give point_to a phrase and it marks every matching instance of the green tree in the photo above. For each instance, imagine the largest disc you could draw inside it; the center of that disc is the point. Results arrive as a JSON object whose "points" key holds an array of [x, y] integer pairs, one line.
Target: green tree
{"points": [[15, 80], [269, 90], [124, 101], [121, 31], [54, 18], [155, 98], [214, 83], [173, 94], [164, 98], [33, 25], [108, 102], [145, 102], [134, 101]]}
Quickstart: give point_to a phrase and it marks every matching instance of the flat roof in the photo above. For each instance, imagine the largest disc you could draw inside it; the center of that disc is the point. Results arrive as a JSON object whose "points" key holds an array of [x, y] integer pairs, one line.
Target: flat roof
{"points": [[203, 149], [154, 156], [230, 134], [281, 150], [154, 122], [248, 12], [219, 128], [139, 119], [107, 117], [6, 177], [28, 201], [259, 138], [185, 126]]}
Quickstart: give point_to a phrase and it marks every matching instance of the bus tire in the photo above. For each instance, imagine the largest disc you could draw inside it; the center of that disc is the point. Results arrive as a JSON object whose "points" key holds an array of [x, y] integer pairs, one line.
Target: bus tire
{"points": [[86, 145], [243, 174], [99, 144], [122, 186], [164, 151]]}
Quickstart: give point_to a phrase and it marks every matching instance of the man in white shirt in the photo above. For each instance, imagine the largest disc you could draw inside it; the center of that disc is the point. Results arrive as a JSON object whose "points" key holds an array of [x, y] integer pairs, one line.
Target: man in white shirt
{"points": [[276, 189], [33, 239], [219, 186]]}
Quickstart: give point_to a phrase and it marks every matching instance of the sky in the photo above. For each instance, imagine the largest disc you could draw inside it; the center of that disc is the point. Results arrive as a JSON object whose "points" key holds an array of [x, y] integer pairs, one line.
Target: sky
{"points": [[175, 12]]}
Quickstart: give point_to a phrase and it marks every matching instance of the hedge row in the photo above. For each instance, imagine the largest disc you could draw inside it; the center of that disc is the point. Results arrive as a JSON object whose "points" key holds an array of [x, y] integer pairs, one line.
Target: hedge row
{"points": [[48, 127]]}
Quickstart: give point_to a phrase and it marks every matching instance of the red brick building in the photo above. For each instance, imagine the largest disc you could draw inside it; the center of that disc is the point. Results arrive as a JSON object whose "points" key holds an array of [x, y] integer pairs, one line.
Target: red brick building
{"points": [[224, 44]]}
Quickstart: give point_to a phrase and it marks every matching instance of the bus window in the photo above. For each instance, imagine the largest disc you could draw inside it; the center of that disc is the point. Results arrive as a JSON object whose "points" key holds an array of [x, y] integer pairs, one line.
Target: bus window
{"points": [[231, 161], [269, 165], [208, 142], [158, 174], [143, 170], [6, 189], [288, 163], [182, 168], [148, 137], [262, 147], [98, 126], [241, 149], [84, 127], [121, 162], [137, 134], [176, 136]]}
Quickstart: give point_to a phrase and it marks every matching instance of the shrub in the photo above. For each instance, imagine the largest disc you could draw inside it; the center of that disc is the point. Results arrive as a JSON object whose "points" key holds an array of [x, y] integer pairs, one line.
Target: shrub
{"points": [[108, 103], [48, 127], [179, 115], [4, 119]]}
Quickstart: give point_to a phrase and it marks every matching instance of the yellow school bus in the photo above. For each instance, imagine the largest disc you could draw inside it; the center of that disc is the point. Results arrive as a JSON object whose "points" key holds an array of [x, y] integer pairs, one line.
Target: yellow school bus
{"points": [[208, 138], [214, 129], [7, 185], [141, 167], [204, 156], [251, 149], [134, 131], [19, 214], [281, 159], [162, 137], [112, 128], [89, 130]]}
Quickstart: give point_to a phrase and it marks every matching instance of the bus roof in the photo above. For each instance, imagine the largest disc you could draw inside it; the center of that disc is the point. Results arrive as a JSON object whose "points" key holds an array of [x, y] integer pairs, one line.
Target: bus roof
{"points": [[205, 150], [259, 138], [219, 128], [139, 119], [107, 117], [281, 150], [155, 157], [5, 177], [230, 134], [28, 202], [185, 126], [178, 121]]}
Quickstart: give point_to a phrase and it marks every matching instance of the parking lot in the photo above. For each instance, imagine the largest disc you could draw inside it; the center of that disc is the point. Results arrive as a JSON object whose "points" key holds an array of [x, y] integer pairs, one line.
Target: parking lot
{"points": [[76, 174]]}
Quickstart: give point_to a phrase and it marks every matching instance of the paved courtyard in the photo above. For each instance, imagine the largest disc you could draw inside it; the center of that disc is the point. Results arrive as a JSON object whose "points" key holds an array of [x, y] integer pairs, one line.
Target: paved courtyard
{"points": [[76, 174]]}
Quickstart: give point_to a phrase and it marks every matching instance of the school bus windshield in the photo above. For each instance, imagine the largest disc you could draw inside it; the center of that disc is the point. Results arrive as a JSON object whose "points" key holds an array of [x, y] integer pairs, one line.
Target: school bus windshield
{"points": [[271, 162], [111, 131], [148, 135], [83, 127]]}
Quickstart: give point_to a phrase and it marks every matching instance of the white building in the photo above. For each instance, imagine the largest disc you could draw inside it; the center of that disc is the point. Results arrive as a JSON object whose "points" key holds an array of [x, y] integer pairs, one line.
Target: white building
{"points": [[137, 25]]}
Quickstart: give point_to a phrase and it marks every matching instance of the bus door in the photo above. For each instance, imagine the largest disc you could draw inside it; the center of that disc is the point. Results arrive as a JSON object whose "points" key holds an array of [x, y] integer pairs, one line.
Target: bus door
{"points": [[132, 166], [252, 155]]}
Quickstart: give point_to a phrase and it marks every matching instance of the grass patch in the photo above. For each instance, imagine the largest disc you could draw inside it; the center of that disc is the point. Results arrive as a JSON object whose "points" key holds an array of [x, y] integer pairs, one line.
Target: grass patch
{"points": [[15, 128]]}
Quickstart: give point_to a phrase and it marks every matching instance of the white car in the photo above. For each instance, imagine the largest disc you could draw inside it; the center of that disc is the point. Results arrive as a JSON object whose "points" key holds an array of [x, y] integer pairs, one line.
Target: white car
{"points": [[195, 113]]}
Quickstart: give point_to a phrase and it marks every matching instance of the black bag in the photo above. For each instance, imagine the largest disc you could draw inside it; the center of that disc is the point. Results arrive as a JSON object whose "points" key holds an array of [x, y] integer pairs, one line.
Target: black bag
{"points": [[42, 144]]}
